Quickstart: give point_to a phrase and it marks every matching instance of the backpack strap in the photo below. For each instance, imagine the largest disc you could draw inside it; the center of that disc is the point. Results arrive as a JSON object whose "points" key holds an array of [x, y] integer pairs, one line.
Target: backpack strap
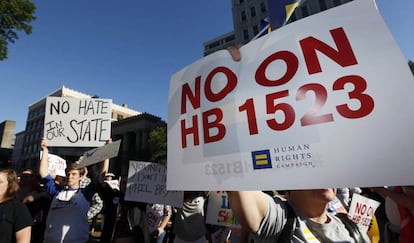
{"points": [[351, 227], [289, 229]]}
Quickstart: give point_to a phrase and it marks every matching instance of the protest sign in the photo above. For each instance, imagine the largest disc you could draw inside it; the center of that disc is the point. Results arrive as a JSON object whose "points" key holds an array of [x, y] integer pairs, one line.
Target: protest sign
{"points": [[57, 165], [361, 210], [72, 122], [335, 206], [326, 95], [219, 211], [96, 155], [147, 183]]}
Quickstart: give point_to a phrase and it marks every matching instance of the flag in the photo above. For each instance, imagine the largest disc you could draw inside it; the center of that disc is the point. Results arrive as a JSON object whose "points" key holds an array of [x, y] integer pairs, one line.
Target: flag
{"points": [[264, 28], [280, 11]]}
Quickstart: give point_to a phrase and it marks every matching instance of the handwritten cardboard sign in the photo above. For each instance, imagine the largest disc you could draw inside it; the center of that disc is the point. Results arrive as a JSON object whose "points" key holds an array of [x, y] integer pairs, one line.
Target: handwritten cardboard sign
{"points": [[96, 155], [72, 122], [219, 211], [57, 165], [361, 210], [147, 183], [326, 95]]}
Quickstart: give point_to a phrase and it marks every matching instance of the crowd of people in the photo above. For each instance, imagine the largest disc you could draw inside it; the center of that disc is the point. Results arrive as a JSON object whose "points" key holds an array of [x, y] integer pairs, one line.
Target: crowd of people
{"points": [[52, 210]]}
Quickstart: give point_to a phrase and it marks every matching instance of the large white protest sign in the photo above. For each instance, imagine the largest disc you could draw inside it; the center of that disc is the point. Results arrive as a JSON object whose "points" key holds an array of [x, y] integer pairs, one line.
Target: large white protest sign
{"points": [[147, 183], [361, 210], [57, 165], [72, 122], [96, 155], [219, 211], [321, 102]]}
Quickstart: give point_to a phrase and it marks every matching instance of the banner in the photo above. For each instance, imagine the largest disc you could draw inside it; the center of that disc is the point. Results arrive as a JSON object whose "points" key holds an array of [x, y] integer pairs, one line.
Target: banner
{"points": [[147, 183], [72, 122], [361, 210], [326, 95], [96, 155]]}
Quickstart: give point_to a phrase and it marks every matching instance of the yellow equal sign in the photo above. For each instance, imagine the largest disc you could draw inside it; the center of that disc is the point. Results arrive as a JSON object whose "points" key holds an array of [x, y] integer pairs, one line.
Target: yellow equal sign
{"points": [[261, 159]]}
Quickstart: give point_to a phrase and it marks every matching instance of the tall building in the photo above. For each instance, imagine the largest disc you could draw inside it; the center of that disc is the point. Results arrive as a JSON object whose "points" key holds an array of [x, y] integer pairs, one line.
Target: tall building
{"points": [[248, 15], [6, 142], [6, 134], [29, 157]]}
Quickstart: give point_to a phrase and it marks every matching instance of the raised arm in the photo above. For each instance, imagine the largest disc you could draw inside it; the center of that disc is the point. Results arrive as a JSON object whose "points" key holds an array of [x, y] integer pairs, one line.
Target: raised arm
{"points": [[97, 175], [44, 163], [105, 164], [249, 207]]}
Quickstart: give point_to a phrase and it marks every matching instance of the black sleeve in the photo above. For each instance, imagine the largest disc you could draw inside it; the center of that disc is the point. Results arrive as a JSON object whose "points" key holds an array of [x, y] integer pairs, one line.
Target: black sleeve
{"points": [[23, 217], [101, 187]]}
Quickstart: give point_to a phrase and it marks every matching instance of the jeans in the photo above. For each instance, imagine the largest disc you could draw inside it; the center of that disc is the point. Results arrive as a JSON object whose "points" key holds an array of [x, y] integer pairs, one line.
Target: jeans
{"points": [[160, 238]]}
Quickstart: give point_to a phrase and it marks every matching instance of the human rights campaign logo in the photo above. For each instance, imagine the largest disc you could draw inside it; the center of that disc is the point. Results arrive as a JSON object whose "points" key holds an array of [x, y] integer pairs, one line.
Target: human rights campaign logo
{"points": [[261, 159]]}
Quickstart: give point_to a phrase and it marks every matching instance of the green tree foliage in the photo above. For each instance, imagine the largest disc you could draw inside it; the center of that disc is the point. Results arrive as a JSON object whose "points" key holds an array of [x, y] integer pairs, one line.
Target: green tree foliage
{"points": [[15, 16], [158, 143]]}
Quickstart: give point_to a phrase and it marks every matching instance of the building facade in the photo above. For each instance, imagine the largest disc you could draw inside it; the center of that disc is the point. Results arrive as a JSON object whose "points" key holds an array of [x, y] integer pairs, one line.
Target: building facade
{"points": [[6, 142], [248, 16], [7, 134]]}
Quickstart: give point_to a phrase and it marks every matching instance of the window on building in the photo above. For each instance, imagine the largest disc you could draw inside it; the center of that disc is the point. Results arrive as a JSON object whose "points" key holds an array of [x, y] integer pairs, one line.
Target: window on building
{"points": [[214, 44], [245, 35], [230, 38], [243, 16], [255, 30], [337, 2], [263, 7], [322, 5], [305, 12], [120, 117], [253, 11]]}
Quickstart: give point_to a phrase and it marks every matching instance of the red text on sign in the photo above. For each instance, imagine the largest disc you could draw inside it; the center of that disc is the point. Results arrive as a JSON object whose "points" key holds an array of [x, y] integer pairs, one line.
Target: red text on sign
{"points": [[211, 120]]}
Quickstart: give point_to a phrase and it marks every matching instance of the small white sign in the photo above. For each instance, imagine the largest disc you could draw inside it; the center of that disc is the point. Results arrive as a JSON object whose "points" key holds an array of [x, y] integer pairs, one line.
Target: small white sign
{"points": [[361, 210], [57, 165], [147, 183]]}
